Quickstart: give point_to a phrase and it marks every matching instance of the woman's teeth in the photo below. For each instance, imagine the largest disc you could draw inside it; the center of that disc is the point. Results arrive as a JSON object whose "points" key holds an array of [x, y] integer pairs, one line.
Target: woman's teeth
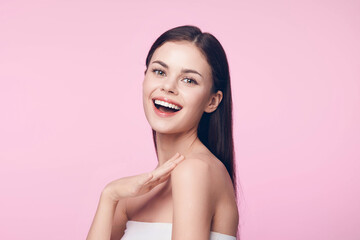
{"points": [[166, 104]]}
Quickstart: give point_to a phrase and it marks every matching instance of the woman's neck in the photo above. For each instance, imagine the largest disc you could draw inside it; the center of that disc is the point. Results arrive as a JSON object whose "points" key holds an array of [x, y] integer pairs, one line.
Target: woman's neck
{"points": [[169, 144]]}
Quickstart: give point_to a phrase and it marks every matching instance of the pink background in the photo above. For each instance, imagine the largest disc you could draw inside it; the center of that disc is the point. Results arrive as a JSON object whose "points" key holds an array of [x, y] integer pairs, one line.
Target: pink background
{"points": [[72, 119]]}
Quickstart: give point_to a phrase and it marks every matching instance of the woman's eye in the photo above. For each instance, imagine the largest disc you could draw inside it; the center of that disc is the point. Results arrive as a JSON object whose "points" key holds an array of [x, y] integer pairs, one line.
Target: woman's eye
{"points": [[159, 72], [189, 81]]}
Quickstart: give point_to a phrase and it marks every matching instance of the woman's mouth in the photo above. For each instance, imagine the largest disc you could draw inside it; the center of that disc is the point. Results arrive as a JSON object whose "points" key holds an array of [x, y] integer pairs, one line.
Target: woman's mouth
{"points": [[165, 107]]}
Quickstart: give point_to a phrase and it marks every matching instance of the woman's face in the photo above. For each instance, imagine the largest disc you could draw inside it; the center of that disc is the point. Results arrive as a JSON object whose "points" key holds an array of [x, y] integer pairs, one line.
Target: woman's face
{"points": [[177, 88]]}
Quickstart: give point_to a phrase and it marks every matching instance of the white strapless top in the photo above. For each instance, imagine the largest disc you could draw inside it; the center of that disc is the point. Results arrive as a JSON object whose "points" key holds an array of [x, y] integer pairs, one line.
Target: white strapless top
{"points": [[159, 231]]}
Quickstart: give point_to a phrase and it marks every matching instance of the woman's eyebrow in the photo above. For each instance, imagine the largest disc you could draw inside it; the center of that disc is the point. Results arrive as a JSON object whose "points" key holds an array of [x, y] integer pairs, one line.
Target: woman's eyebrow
{"points": [[183, 70], [161, 63], [191, 71]]}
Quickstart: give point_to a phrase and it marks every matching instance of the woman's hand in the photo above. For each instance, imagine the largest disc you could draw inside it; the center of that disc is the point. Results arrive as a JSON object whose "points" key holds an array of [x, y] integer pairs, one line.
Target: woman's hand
{"points": [[140, 184]]}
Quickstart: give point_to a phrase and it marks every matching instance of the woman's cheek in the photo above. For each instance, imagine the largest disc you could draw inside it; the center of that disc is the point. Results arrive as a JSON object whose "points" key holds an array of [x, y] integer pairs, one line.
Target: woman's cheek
{"points": [[197, 99], [146, 88]]}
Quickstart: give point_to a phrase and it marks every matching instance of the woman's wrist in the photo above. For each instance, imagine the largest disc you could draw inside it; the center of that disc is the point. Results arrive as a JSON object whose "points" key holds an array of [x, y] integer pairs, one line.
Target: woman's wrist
{"points": [[108, 196]]}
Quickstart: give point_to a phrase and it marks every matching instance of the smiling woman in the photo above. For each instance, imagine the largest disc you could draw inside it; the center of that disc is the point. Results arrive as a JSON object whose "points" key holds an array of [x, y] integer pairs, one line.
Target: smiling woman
{"points": [[180, 75], [192, 192]]}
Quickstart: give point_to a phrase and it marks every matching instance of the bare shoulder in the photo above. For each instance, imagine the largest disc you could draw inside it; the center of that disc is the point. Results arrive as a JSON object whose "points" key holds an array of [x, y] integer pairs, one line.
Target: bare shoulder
{"points": [[192, 174], [192, 167], [202, 165], [196, 171], [206, 172], [206, 177]]}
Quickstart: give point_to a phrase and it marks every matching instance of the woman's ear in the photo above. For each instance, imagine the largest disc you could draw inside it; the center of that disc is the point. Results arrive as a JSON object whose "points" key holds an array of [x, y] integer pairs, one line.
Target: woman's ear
{"points": [[214, 101]]}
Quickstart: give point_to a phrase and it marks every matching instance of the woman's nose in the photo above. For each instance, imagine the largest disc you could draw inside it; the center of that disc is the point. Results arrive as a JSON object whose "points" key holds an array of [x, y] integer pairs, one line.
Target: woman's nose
{"points": [[169, 86]]}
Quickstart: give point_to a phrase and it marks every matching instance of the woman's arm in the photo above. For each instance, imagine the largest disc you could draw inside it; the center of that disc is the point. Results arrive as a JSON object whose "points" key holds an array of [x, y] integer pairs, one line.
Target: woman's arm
{"points": [[102, 224], [193, 201], [120, 190], [119, 222]]}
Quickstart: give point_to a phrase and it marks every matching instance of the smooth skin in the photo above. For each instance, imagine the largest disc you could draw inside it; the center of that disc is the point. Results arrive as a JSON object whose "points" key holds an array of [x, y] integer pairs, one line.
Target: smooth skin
{"points": [[192, 190], [119, 190]]}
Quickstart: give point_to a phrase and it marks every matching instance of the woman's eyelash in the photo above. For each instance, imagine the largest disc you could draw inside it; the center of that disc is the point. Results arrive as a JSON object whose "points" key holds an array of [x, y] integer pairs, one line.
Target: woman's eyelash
{"points": [[162, 73], [190, 80], [158, 72]]}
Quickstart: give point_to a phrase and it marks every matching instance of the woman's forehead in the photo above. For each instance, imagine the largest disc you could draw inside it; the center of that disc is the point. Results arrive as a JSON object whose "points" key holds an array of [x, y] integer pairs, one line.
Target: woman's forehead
{"points": [[182, 54]]}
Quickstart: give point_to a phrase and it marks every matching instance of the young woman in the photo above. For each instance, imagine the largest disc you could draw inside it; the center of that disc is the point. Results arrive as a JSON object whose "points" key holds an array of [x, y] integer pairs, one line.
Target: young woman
{"points": [[192, 192]]}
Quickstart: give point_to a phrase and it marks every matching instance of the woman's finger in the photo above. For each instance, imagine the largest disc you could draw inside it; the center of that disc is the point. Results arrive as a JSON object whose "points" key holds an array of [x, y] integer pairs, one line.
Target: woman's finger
{"points": [[164, 177], [179, 159], [154, 183], [167, 167], [174, 161], [176, 155], [161, 174], [146, 178]]}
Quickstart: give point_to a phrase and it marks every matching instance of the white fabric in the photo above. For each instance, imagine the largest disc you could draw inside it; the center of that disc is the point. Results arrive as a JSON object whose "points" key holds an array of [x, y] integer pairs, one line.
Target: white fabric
{"points": [[159, 231]]}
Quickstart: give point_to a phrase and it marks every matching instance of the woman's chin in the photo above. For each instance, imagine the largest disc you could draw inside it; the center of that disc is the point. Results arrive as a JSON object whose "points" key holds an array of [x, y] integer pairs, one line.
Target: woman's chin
{"points": [[166, 130]]}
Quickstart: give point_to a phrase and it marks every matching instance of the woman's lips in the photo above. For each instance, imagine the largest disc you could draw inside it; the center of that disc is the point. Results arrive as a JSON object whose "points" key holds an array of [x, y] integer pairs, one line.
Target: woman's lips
{"points": [[164, 99], [162, 102]]}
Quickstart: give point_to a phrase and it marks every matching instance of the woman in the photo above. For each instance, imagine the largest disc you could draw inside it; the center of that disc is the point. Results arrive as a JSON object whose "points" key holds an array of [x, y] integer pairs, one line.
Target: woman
{"points": [[191, 194]]}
